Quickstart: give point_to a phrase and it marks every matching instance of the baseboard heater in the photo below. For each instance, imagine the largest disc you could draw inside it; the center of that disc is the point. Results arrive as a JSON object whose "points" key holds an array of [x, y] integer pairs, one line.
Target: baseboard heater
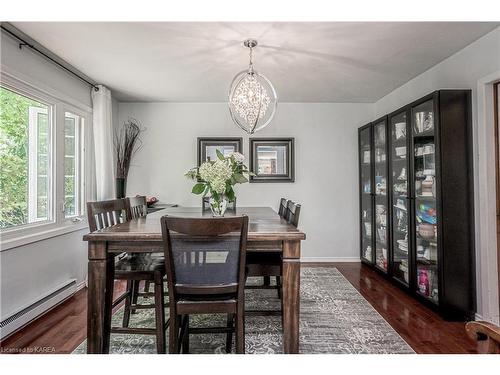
{"points": [[27, 314]]}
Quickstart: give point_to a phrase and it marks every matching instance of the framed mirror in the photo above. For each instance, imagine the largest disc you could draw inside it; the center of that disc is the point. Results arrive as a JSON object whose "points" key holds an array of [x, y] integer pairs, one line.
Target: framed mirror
{"points": [[272, 159], [207, 147]]}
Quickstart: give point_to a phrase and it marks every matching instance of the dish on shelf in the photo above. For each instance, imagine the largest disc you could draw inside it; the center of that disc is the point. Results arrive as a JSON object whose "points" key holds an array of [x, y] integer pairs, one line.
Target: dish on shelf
{"points": [[400, 204], [426, 231], [401, 152], [382, 234], [400, 130]]}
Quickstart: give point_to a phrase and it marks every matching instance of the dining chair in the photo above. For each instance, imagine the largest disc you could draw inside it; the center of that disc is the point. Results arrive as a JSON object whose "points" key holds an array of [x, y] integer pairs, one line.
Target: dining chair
{"points": [[267, 279], [282, 207], [208, 284], [292, 213], [205, 204], [137, 207], [481, 331], [269, 263], [133, 269]]}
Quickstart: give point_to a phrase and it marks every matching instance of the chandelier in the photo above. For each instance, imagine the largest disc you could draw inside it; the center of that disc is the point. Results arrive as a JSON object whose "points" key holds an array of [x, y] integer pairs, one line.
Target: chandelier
{"points": [[252, 97]]}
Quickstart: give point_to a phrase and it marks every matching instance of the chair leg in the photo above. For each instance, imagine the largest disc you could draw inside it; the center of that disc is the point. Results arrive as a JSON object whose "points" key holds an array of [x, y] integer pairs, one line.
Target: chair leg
{"points": [[240, 328], [173, 331], [185, 338], [160, 318], [267, 280], [279, 286], [229, 335], [135, 293], [128, 302]]}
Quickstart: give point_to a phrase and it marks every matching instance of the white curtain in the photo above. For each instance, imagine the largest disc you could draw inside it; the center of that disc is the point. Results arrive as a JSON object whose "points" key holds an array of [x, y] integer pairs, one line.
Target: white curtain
{"points": [[103, 143]]}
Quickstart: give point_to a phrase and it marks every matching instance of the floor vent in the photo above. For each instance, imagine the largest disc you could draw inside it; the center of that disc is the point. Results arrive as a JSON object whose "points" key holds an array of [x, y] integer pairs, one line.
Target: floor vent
{"points": [[24, 316]]}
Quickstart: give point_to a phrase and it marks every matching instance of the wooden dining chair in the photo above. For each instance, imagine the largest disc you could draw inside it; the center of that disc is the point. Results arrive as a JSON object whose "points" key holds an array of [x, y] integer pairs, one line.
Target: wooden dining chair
{"points": [[205, 285], [137, 207], [481, 331], [283, 206], [268, 262], [282, 210], [292, 213], [205, 204], [133, 269]]}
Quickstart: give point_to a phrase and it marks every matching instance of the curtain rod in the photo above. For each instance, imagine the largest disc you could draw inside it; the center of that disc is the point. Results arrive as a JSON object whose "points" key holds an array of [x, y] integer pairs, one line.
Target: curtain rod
{"points": [[26, 44]]}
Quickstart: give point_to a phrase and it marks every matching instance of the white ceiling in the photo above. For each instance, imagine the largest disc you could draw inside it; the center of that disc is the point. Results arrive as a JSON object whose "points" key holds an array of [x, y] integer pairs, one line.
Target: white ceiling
{"points": [[307, 62]]}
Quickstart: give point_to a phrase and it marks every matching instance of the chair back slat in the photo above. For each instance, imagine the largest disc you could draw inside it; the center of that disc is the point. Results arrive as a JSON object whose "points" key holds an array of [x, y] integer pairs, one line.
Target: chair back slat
{"points": [[205, 204], [104, 214], [293, 213], [98, 224], [205, 255], [136, 207], [283, 207]]}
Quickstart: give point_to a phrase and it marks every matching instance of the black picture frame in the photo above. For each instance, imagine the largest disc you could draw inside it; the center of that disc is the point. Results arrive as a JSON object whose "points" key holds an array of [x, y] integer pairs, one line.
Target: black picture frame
{"points": [[204, 142], [289, 144]]}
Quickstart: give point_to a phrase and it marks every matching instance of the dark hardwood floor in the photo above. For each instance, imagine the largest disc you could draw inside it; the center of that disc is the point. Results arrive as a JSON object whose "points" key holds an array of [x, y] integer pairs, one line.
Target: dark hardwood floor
{"points": [[64, 327]]}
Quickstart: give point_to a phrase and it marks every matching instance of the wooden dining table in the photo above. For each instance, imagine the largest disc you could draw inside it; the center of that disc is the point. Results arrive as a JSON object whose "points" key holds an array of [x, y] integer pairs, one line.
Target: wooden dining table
{"points": [[267, 231]]}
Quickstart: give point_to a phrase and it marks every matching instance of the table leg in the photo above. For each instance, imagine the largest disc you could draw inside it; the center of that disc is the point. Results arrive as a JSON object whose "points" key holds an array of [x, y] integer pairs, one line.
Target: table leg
{"points": [[291, 296], [99, 298]]}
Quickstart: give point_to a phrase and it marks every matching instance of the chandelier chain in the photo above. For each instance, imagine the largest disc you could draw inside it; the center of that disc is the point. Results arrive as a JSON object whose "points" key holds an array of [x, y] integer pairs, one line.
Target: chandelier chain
{"points": [[250, 66]]}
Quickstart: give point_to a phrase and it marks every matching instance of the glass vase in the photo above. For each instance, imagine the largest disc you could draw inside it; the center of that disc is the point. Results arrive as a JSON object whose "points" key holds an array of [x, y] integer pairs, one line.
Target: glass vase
{"points": [[218, 206]]}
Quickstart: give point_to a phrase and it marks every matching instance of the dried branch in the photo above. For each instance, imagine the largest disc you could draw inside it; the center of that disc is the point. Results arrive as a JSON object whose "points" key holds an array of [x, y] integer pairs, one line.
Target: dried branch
{"points": [[127, 142]]}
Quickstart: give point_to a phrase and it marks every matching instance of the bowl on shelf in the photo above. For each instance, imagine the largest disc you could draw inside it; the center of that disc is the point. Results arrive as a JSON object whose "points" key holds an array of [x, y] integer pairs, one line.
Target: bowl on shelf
{"points": [[426, 231]]}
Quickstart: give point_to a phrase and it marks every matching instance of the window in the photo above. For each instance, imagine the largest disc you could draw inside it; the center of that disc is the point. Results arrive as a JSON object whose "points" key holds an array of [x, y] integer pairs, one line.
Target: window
{"points": [[42, 158], [73, 165], [25, 157]]}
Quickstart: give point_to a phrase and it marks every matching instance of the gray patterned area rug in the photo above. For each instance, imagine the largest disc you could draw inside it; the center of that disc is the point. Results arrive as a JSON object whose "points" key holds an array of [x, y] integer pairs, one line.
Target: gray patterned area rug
{"points": [[334, 318]]}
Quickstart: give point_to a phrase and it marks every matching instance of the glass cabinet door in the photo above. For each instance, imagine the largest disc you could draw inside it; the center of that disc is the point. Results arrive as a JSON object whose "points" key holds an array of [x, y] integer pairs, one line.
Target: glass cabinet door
{"points": [[366, 194], [425, 209], [400, 207], [381, 234]]}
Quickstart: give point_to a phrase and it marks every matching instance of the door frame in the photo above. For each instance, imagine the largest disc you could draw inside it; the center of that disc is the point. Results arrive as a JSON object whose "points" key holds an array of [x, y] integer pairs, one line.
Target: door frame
{"points": [[496, 124], [487, 267]]}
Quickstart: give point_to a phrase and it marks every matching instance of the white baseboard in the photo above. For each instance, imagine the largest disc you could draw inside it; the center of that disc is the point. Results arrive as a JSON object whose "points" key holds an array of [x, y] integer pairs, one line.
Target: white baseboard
{"points": [[329, 259], [491, 319], [30, 312]]}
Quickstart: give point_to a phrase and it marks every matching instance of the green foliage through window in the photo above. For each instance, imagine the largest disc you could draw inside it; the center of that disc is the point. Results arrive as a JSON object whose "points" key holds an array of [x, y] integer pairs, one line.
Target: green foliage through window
{"points": [[14, 159]]}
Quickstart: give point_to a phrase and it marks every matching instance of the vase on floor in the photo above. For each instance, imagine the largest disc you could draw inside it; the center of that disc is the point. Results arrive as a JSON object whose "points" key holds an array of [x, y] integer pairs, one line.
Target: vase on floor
{"points": [[218, 206]]}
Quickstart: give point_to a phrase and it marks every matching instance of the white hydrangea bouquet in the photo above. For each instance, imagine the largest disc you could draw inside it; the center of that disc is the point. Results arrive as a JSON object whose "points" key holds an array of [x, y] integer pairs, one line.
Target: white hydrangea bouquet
{"points": [[218, 178]]}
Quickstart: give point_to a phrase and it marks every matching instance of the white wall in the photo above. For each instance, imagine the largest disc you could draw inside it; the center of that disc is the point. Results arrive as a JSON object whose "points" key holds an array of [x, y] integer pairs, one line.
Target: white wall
{"points": [[30, 271], [469, 68], [326, 171]]}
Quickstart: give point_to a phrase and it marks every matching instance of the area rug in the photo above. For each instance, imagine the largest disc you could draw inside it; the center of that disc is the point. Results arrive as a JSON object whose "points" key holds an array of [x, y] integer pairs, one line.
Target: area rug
{"points": [[334, 318]]}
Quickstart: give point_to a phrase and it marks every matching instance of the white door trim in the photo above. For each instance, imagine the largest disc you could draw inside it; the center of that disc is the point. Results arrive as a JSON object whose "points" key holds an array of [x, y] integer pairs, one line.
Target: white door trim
{"points": [[485, 202]]}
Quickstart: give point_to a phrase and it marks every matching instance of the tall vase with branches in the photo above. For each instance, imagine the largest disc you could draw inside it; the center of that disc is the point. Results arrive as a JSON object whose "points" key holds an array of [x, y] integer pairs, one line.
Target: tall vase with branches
{"points": [[127, 142]]}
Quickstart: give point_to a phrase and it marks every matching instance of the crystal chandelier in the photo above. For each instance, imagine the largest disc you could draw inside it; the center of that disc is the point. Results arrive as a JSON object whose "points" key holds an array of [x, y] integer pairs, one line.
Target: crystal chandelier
{"points": [[252, 97]]}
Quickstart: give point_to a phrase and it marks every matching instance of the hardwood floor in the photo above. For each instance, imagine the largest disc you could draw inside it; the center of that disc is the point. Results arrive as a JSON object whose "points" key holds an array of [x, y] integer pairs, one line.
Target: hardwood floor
{"points": [[64, 328], [423, 329]]}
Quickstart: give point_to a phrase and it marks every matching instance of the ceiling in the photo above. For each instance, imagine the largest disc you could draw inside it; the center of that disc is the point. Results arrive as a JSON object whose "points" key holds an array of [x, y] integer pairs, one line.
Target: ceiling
{"points": [[307, 62]]}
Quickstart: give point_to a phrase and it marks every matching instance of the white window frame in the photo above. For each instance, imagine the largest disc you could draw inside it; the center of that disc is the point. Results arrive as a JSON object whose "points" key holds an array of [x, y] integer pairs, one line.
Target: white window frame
{"points": [[82, 137], [57, 224], [33, 164]]}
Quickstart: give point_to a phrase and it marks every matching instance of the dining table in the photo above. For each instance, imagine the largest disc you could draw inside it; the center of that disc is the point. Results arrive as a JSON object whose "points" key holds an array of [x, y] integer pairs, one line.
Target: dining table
{"points": [[267, 232]]}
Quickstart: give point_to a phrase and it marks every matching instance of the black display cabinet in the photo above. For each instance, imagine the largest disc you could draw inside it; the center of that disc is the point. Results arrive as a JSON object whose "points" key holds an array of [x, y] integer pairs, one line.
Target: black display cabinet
{"points": [[419, 201]]}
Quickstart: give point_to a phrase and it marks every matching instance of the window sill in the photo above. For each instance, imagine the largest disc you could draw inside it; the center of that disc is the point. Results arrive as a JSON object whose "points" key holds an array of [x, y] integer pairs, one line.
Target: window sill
{"points": [[21, 240]]}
